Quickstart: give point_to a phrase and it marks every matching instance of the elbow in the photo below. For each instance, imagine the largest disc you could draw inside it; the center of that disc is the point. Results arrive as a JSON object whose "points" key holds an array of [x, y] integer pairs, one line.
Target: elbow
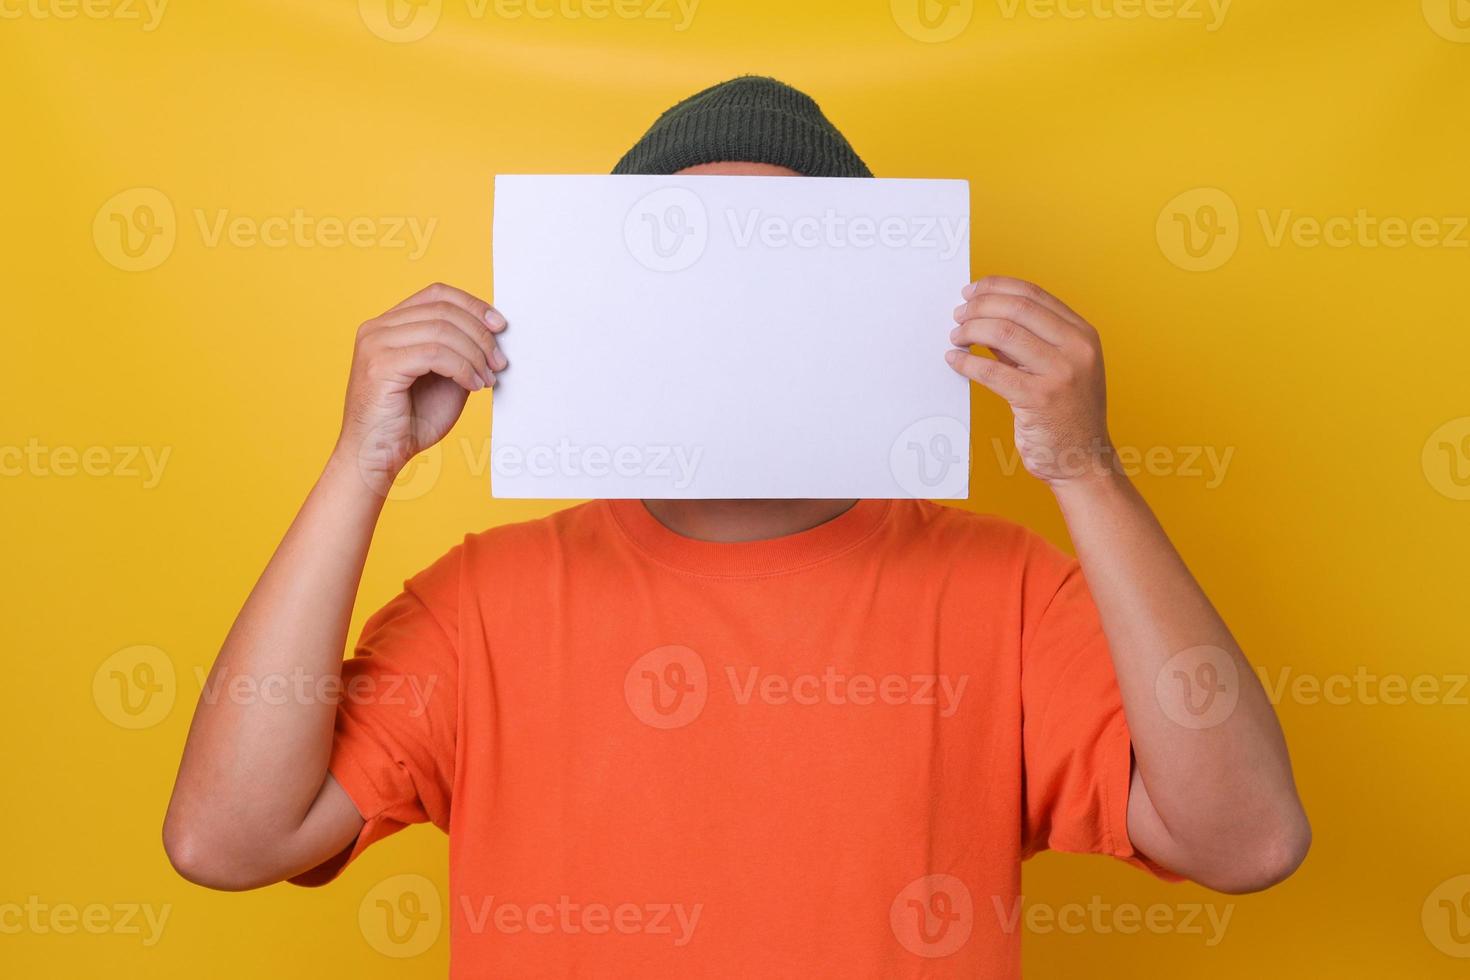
{"points": [[203, 861], [1265, 862]]}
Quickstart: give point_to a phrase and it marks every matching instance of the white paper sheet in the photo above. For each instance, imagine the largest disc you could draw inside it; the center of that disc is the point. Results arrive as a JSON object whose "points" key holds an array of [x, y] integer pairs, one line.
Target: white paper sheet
{"points": [[708, 336]]}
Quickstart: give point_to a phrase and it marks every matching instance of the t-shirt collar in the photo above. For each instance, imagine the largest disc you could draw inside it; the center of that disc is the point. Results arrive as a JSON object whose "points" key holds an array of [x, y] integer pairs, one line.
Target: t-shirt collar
{"points": [[748, 558]]}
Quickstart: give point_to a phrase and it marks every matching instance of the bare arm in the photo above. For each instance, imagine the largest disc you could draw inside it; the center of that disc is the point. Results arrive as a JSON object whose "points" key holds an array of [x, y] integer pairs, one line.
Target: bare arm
{"points": [[254, 803], [1212, 795]]}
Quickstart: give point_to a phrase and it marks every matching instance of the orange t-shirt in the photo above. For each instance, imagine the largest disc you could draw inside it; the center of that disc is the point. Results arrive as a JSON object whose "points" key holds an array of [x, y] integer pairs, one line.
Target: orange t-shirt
{"points": [[823, 755]]}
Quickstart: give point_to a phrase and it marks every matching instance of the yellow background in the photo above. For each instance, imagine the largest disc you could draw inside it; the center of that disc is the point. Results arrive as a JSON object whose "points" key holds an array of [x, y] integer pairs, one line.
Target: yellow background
{"points": [[1334, 543]]}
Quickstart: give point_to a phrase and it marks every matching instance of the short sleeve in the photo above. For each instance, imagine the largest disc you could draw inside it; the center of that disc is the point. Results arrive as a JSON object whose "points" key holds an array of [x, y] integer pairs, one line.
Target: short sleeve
{"points": [[1078, 754], [393, 746]]}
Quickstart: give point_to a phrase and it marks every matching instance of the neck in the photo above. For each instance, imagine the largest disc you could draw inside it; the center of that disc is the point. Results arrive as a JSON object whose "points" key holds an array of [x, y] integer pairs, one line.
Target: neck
{"points": [[743, 520]]}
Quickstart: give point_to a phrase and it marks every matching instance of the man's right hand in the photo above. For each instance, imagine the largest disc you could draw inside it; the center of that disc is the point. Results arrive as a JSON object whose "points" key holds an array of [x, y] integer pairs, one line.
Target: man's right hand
{"points": [[412, 370]]}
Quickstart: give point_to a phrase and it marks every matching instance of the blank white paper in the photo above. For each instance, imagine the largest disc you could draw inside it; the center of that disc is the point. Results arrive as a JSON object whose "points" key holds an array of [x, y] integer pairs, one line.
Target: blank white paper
{"points": [[708, 336]]}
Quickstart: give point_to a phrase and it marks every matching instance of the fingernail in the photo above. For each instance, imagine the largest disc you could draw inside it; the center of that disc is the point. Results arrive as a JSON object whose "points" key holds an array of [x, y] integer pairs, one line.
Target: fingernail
{"points": [[491, 382], [969, 291], [498, 359], [959, 311], [493, 317], [954, 336], [952, 356], [476, 383]]}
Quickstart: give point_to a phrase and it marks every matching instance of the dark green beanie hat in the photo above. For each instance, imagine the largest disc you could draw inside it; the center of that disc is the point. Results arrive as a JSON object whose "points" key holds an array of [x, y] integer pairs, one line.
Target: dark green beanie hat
{"points": [[749, 119]]}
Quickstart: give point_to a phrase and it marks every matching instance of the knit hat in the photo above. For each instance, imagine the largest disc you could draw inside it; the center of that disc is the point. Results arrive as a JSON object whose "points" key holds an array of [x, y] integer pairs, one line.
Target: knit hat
{"points": [[750, 119]]}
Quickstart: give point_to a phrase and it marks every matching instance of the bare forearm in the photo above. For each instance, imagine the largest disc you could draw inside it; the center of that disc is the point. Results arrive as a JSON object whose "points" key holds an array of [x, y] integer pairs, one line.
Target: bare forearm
{"points": [[1212, 795], [1217, 800], [254, 802], [257, 752]]}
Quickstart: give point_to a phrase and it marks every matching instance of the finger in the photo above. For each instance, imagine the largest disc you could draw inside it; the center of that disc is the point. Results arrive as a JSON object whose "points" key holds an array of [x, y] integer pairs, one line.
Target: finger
{"points": [[474, 305], [1007, 382], [423, 359], [477, 330], [1027, 312], [438, 332], [1020, 287], [1008, 340]]}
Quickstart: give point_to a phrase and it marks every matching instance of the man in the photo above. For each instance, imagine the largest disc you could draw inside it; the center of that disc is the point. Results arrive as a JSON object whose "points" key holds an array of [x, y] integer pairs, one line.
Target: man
{"points": [[733, 737]]}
